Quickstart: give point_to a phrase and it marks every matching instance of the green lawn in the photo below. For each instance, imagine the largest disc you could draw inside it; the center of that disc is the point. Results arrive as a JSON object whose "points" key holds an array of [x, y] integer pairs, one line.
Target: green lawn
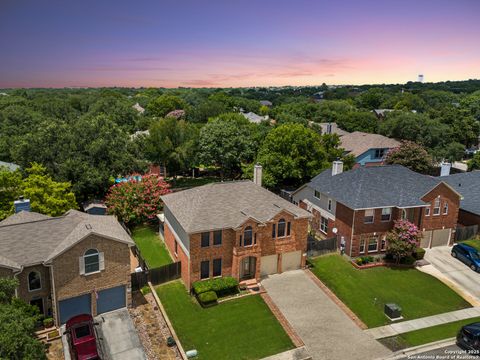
{"points": [[151, 246], [237, 329], [366, 291], [427, 335], [192, 182], [474, 242]]}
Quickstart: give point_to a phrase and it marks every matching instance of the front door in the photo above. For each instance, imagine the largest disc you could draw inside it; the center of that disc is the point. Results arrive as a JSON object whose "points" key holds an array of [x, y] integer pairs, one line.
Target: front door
{"points": [[247, 268], [38, 303]]}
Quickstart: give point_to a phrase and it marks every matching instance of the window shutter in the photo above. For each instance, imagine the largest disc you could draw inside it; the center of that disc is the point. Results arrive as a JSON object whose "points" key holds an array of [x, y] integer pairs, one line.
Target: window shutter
{"points": [[101, 260], [81, 265]]}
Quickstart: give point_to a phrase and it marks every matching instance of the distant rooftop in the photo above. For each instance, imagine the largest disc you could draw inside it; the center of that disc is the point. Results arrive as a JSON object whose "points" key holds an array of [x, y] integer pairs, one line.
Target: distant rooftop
{"points": [[359, 142], [9, 166], [467, 184]]}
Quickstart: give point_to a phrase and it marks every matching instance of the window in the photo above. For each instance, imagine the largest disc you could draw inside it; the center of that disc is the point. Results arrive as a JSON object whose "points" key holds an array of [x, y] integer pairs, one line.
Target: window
{"points": [[386, 214], [274, 226], [289, 228], [317, 194], [217, 267], [92, 261], [373, 244], [436, 206], [362, 246], [217, 237], [248, 236], [427, 210], [34, 282], [281, 228], [324, 225], [82, 331], [176, 247], [205, 239], [404, 214], [205, 269], [379, 153], [329, 205], [383, 244], [445, 208], [369, 214]]}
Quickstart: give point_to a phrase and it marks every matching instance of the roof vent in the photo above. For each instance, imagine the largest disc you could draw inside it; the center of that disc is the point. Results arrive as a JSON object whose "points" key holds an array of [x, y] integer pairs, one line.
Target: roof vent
{"points": [[88, 226]]}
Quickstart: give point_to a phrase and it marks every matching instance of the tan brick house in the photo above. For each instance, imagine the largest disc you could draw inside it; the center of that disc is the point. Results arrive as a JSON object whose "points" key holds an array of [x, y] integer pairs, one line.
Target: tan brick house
{"points": [[234, 229], [359, 206], [67, 265]]}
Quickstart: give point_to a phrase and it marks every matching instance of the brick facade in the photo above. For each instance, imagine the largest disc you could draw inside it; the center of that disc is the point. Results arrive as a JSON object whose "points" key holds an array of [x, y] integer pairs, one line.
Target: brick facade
{"points": [[66, 270], [180, 255], [43, 294], [232, 253]]}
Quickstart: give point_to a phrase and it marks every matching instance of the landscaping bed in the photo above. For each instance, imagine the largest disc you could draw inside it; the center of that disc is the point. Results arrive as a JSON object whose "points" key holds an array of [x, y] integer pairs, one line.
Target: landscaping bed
{"points": [[425, 336], [151, 246], [243, 328], [366, 292]]}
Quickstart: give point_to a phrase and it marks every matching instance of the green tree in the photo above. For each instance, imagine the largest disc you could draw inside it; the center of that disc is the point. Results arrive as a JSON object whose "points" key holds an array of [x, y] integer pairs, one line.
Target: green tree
{"points": [[364, 121], [291, 154], [227, 141], [46, 195], [474, 163], [165, 103], [10, 182], [172, 142], [412, 156]]}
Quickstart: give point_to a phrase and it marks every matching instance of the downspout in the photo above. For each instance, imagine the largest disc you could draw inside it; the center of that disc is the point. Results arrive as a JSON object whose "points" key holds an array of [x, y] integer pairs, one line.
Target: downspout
{"points": [[15, 274], [351, 237], [54, 297]]}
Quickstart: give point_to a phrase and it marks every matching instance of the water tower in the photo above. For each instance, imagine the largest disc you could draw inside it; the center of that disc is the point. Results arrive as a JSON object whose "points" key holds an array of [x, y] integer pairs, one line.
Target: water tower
{"points": [[420, 78]]}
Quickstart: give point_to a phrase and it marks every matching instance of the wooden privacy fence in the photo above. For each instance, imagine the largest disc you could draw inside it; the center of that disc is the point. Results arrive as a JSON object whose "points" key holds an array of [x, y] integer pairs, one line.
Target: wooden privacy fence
{"points": [[317, 247], [156, 276], [466, 232]]}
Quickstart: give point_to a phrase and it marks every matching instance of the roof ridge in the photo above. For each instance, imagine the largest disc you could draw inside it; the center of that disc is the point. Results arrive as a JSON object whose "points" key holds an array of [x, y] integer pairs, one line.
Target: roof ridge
{"points": [[30, 221]]}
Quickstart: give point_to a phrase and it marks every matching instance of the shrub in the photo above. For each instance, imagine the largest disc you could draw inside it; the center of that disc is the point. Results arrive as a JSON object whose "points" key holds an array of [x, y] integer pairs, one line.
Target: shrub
{"points": [[407, 260], [222, 286], [359, 261], [207, 298], [48, 322], [419, 253]]}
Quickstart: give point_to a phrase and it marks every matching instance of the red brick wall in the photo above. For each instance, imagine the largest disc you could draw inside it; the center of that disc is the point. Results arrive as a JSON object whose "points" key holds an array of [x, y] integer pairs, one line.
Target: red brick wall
{"points": [[180, 256], [441, 221], [344, 223], [466, 218]]}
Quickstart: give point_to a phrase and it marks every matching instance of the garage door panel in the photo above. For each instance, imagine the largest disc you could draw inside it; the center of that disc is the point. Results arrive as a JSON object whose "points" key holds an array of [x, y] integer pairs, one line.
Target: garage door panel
{"points": [[440, 237], [268, 265], [425, 240], [111, 299], [291, 260], [74, 306]]}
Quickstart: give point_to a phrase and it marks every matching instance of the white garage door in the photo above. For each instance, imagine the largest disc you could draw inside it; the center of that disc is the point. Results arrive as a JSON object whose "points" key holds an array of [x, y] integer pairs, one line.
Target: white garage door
{"points": [[425, 239], [291, 260], [440, 237], [268, 265]]}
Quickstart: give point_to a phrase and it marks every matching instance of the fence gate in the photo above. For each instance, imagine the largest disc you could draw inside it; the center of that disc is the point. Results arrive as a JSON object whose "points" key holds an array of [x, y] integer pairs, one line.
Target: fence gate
{"points": [[156, 276]]}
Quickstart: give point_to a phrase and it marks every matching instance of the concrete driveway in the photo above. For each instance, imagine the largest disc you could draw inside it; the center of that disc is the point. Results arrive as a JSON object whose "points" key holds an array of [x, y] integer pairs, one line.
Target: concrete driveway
{"points": [[118, 336], [445, 267], [328, 333]]}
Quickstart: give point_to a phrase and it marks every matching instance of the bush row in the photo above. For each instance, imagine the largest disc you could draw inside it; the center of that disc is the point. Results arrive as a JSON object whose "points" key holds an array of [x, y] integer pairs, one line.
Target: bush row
{"points": [[221, 286], [207, 297]]}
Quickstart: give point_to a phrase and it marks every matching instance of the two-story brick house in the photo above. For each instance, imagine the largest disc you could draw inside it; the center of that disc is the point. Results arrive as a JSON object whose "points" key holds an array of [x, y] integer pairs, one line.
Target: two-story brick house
{"points": [[68, 265], [359, 206], [234, 229]]}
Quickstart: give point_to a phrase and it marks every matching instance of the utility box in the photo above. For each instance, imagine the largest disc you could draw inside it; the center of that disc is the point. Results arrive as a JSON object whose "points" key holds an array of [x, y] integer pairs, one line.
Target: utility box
{"points": [[393, 311]]}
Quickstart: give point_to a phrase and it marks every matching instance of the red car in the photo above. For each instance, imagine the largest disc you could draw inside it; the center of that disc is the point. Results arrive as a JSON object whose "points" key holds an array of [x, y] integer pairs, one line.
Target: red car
{"points": [[81, 336]]}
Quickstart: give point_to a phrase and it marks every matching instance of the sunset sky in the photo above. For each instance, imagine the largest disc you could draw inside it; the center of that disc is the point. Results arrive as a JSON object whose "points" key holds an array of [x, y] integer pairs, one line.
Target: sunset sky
{"points": [[228, 43]]}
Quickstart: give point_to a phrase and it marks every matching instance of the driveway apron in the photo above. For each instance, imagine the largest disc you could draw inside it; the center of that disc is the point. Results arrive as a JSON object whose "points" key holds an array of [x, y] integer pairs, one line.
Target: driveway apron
{"points": [[328, 333]]}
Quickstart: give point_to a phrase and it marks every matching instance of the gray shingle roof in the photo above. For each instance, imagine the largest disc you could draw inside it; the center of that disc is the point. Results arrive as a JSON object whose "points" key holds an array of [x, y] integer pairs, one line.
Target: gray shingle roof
{"points": [[359, 142], [375, 186], [23, 217], [35, 238], [467, 184], [226, 205]]}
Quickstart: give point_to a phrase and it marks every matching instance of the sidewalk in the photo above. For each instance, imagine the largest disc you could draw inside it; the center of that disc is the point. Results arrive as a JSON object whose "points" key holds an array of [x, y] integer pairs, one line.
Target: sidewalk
{"points": [[425, 322]]}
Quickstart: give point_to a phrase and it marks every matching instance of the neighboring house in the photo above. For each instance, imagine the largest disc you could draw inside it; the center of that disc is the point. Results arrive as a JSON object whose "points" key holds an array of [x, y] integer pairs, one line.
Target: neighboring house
{"points": [[266, 103], [95, 207], [254, 118], [368, 149], [360, 206], [234, 229], [139, 108], [318, 96], [68, 265], [467, 184], [177, 114], [9, 166], [381, 113], [331, 128]]}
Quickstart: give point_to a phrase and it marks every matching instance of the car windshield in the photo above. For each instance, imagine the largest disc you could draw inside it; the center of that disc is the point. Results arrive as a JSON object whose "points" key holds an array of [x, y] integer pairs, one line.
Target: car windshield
{"points": [[474, 255], [82, 331]]}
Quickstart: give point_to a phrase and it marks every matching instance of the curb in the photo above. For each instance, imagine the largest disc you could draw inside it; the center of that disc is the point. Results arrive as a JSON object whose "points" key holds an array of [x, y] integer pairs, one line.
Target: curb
{"points": [[421, 348], [167, 320]]}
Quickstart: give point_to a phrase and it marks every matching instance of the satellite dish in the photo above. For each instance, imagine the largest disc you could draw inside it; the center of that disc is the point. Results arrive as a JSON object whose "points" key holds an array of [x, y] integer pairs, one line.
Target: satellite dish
{"points": [[334, 230]]}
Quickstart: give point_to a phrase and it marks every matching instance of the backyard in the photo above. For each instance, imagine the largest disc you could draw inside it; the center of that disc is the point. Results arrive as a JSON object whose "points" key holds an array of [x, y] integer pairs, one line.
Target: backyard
{"points": [[151, 246], [365, 292], [473, 242], [244, 328]]}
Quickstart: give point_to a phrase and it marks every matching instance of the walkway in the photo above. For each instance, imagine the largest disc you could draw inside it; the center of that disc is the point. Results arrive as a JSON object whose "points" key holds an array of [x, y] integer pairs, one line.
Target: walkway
{"points": [[421, 323], [328, 333]]}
